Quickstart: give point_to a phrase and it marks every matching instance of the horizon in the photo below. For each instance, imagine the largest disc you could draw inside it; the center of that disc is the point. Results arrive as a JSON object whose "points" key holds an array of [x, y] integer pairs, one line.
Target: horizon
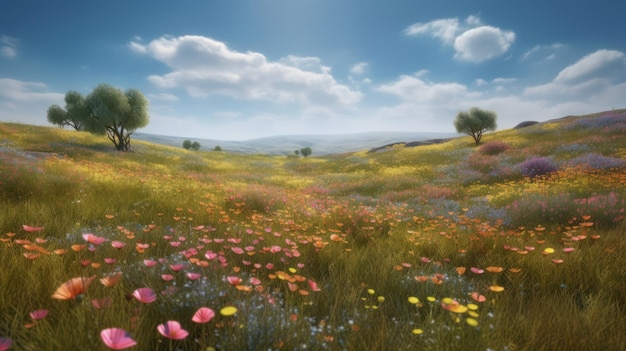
{"points": [[252, 70]]}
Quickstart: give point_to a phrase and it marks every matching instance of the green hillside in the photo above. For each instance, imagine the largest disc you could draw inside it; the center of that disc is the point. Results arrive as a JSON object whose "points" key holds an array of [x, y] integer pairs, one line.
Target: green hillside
{"points": [[516, 244]]}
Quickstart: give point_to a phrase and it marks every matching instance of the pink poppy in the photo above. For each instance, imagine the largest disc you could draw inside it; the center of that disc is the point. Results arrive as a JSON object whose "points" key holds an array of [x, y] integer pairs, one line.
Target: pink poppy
{"points": [[117, 244], [477, 270], [31, 229], [203, 315], [177, 267], [167, 277], [145, 295], [116, 338], [172, 330], [38, 314], [150, 263], [193, 276], [5, 343], [234, 280], [313, 285], [237, 250], [93, 239]]}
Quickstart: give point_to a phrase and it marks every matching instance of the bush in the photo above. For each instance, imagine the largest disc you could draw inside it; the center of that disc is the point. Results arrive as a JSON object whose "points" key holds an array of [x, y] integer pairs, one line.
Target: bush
{"points": [[493, 148], [597, 161], [537, 166]]}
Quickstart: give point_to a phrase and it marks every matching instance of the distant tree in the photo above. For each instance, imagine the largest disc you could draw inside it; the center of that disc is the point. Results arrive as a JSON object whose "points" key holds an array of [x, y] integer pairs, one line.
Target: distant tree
{"points": [[107, 110], [187, 144], [306, 152], [195, 146], [75, 111], [475, 122], [297, 152], [217, 148]]}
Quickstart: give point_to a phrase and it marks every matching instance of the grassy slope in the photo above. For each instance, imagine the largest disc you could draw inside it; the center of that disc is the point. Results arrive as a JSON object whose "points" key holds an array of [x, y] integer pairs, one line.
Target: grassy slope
{"points": [[407, 222]]}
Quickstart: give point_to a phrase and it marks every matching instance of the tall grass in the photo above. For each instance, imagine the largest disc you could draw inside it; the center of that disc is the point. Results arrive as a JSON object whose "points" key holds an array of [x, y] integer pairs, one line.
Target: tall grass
{"points": [[435, 247]]}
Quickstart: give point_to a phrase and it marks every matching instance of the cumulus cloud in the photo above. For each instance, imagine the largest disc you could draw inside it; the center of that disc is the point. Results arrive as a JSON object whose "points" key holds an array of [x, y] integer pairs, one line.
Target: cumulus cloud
{"points": [[359, 68], [204, 66], [416, 90], [471, 40], [483, 43], [8, 46], [26, 102], [595, 74]]}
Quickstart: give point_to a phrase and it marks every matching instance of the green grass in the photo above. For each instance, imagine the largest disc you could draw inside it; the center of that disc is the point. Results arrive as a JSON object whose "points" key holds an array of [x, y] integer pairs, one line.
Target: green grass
{"points": [[328, 249]]}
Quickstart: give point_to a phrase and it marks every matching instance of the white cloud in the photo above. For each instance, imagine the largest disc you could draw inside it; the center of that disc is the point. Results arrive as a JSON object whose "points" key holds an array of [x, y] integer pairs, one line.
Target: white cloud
{"points": [[602, 63], [26, 102], [162, 97], [8, 46], [416, 90], [359, 68], [204, 66], [594, 75], [471, 40], [480, 82], [504, 80], [537, 49], [482, 43]]}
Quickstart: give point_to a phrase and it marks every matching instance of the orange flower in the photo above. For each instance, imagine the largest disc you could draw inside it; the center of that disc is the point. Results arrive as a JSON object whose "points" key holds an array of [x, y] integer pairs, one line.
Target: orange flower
{"points": [[72, 288]]}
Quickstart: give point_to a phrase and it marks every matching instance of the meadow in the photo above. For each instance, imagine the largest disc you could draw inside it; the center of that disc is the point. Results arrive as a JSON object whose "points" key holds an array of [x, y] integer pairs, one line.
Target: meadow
{"points": [[515, 244]]}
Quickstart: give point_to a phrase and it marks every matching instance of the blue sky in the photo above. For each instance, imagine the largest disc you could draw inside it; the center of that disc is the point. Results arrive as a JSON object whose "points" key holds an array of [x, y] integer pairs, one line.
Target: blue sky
{"points": [[243, 69]]}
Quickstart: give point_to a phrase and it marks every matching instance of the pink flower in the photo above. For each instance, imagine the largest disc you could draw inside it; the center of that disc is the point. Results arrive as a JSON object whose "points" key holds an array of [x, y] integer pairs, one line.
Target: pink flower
{"points": [[145, 295], [5, 343], [172, 330], [193, 276], [167, 277], [93, 239], [38, 314], [234, 280], [30, 229], [149, 263], [177, 267], [117, 244], [116, 338], [203, 315]]}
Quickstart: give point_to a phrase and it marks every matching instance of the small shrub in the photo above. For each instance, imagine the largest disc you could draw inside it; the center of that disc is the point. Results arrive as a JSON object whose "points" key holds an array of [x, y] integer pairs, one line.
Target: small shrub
{"points": [[493, 148], [483, 163], [537, 166], [597, 161]]}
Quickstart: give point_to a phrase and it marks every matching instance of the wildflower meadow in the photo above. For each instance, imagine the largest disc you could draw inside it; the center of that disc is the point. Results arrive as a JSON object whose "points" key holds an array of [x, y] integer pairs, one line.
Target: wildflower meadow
{"points": [[514, 244]]}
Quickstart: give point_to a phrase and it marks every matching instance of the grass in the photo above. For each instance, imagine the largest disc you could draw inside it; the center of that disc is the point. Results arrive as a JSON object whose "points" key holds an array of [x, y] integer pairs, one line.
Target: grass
{"points": [[439, 247]]}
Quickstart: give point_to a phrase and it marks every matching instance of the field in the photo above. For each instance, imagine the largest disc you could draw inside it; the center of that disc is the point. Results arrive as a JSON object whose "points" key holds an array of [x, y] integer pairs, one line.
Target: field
{"points": [[516, 244]]}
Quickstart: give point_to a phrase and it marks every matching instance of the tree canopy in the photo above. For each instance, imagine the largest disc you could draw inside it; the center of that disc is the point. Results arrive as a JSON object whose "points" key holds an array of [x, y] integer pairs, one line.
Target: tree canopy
{"points": [[107, 110], [475, 122]]}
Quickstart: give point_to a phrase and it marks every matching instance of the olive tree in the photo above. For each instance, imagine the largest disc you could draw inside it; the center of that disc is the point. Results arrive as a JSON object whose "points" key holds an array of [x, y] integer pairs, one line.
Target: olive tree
{"points": [[116, 113], [475, 122], [306, 152], [107, 110], [73, 114]]}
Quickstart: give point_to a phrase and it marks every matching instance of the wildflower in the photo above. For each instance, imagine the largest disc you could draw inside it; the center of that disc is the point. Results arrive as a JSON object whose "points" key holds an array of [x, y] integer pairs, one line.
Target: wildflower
{"points": [[145, 295], [172, 330], [116, 338], [203, 315], [72, 288]]}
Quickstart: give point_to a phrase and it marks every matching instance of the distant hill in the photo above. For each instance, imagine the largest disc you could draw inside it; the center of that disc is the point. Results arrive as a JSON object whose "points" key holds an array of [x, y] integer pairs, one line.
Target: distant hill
{"points": [[286, 144]]}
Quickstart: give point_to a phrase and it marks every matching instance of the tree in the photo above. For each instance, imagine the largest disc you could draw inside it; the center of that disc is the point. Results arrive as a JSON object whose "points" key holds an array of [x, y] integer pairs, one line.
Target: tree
{"points": [[195, 146], [74, 113], [306, 151], [187, 144], [107, 110], [475, 122], [116, 113]]}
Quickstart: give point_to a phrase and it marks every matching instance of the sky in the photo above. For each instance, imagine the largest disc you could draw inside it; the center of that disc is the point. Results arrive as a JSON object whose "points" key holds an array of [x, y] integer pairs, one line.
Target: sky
{"points": [[245, 69]]}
